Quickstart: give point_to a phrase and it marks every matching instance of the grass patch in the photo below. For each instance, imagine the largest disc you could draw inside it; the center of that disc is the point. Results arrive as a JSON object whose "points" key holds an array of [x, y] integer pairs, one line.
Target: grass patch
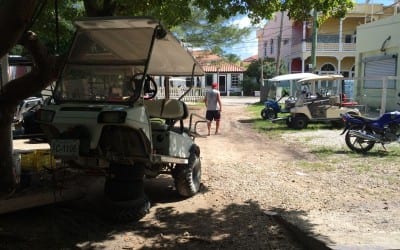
{"points": [[273, 129], [331, 157], [362, 168], [323, 152]]}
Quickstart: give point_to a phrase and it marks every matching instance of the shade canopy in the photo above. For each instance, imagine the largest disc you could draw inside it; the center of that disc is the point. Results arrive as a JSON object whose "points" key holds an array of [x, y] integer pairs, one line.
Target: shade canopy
{"points": [[294, 76], [321, 77], [127, 41]]}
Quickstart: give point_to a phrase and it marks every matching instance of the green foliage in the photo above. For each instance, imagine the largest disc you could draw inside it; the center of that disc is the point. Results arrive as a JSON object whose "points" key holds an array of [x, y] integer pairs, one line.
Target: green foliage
{"points": [[45, 25], [232, 58], [263, 9], [249, 85], [269, 69], [211, 35], [199, 22]]}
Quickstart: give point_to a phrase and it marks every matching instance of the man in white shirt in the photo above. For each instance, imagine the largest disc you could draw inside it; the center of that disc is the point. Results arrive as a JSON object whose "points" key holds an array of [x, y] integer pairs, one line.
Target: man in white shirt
{"points": [[214, 107]]}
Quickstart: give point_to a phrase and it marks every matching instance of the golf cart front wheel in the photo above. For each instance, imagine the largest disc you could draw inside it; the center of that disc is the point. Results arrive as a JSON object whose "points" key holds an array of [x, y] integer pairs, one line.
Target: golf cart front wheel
{"points": [[268, 113], [187, 177]]}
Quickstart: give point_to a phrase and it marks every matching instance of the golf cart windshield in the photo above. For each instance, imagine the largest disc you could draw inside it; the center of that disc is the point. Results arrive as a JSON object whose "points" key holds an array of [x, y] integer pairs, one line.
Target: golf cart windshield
{"points": [[109, 59], [98, 83]]}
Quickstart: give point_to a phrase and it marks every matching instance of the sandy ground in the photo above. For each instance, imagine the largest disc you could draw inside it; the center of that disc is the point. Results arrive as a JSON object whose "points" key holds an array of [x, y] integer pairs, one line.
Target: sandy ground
{"points": [[248, 178]]}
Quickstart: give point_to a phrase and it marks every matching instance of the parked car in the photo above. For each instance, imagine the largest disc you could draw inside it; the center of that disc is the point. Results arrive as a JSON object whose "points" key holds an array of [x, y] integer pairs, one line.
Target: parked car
{"points": [[25, 124]]}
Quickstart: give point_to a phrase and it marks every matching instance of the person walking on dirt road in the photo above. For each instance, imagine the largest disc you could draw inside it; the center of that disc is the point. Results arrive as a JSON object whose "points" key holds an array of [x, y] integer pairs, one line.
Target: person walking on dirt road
{"points": [[214, 107]]}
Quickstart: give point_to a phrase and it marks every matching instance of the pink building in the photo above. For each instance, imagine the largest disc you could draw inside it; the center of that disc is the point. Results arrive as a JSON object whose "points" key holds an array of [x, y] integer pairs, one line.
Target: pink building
{"points": [[336, 40]]}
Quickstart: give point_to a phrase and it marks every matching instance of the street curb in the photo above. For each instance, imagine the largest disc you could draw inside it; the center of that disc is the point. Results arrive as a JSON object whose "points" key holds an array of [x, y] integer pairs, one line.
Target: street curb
{"points": [[303, 238]]}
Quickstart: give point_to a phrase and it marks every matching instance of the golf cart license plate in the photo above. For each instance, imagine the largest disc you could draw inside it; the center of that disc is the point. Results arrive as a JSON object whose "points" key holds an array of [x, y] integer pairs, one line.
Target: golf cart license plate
{"points": [[65, 148]]}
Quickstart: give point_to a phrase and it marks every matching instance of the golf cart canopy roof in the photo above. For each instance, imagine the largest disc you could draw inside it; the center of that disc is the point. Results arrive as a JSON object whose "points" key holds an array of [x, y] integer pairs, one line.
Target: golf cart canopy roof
{"points": [[320, 77], [127, 41], [288, 77]]}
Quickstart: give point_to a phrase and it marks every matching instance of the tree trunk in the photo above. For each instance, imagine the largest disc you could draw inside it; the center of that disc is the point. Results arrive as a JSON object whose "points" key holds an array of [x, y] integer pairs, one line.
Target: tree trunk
{"points": [[7, 173], [45, 69], [15, 16]]}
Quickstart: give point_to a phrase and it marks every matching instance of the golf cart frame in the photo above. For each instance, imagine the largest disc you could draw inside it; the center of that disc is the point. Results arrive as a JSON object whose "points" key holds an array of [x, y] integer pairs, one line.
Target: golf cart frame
{"points": [[107, 117], [274, 107], [317, 105]]}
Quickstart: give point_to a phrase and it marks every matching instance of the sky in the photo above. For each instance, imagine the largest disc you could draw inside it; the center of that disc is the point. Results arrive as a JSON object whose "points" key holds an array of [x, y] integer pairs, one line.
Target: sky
{"points": [[248, 47]]}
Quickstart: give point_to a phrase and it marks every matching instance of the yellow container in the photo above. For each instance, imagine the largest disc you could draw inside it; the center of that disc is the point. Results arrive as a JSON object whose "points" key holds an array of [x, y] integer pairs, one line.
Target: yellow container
{"points": [[37, 160], [28, 161], [44, 159]]}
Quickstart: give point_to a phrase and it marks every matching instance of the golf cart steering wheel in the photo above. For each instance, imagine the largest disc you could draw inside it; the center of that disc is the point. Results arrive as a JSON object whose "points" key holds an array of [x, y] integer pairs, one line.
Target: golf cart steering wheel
{"points": [[149, 88], [291, 98]]}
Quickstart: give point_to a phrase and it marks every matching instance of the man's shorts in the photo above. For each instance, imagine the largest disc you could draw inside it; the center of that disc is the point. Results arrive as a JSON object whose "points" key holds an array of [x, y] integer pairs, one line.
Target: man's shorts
{"points": [[213, 115]]}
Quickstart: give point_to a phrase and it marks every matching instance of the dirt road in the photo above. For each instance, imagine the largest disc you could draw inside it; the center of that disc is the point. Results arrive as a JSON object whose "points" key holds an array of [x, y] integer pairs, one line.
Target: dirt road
{"points": [[250, 181]]}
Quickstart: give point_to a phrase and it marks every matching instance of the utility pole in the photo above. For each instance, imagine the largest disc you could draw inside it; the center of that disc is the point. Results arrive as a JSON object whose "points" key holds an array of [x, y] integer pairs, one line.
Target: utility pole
{"points": [[262, 59], [314, 41], [278, 53]]}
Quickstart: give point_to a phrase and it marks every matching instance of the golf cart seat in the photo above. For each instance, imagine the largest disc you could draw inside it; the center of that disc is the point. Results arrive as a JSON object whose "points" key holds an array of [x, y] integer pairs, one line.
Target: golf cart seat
{"points": [[170, 110], [166, 109]]}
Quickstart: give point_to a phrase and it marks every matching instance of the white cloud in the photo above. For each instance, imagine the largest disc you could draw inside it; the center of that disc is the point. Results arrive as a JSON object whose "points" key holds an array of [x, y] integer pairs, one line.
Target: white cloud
{"points": [[249, 45]]}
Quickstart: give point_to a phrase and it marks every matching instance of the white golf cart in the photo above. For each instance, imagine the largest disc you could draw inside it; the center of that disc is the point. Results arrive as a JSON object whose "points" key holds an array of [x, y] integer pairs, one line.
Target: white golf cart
{"points": [[318, 100], [107, 117]]}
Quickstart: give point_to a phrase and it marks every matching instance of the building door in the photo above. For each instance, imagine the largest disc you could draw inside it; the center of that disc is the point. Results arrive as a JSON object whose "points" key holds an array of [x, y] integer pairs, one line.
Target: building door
{"points": [[222, 83]]}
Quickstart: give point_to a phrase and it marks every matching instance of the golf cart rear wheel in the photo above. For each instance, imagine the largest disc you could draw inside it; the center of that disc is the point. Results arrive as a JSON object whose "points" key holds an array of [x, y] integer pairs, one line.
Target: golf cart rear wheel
{"points": [[127, 211], [299, 122], [268, 113], [187, 177]]}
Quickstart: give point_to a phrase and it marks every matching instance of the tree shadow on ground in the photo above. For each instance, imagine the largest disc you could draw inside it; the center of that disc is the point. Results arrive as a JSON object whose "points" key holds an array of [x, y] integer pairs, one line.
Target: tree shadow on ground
{"points": [[235, 226]]}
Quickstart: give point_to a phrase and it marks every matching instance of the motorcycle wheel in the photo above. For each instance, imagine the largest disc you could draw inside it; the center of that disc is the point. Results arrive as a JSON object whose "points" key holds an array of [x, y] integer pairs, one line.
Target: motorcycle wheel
{"points": [[268, 113], [357, 144]]}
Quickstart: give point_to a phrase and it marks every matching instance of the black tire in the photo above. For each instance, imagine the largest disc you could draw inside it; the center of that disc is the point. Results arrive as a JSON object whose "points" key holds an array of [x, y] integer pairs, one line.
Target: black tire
{"points": [[357, 144], [123, 190], [127, 211], [125, 182], [268, 113], [289, 123], [187, 177], [299, 122]]}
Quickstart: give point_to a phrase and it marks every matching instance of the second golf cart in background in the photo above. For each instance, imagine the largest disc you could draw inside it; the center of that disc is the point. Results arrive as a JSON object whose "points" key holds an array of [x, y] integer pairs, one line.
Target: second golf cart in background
{"points": [[281, 94], [318, 99]]}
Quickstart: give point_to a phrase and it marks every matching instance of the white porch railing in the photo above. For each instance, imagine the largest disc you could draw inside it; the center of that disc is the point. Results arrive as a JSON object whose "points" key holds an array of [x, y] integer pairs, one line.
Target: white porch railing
{"points": [[194, 95]]}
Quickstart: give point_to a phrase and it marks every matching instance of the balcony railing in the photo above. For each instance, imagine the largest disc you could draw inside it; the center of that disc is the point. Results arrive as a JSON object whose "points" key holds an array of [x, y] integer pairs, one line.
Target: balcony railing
{"points": [[324, 47]]}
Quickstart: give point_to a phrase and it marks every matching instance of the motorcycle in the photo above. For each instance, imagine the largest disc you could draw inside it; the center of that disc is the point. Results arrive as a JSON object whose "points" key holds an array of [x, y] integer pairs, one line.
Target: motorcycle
{"points": [[363, 133]]}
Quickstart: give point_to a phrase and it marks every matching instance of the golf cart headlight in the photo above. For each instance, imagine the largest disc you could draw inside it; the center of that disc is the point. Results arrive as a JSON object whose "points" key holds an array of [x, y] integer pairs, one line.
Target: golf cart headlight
{"points": [[43, 115], [112, 117]]}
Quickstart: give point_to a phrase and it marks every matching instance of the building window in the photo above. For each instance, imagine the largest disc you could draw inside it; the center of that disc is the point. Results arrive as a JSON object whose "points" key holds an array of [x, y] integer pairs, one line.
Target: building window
{"points": [[265, 49], [328, 68], [272, 46], [285, 41], [209, 79], [348, 39], [235, 80]]}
